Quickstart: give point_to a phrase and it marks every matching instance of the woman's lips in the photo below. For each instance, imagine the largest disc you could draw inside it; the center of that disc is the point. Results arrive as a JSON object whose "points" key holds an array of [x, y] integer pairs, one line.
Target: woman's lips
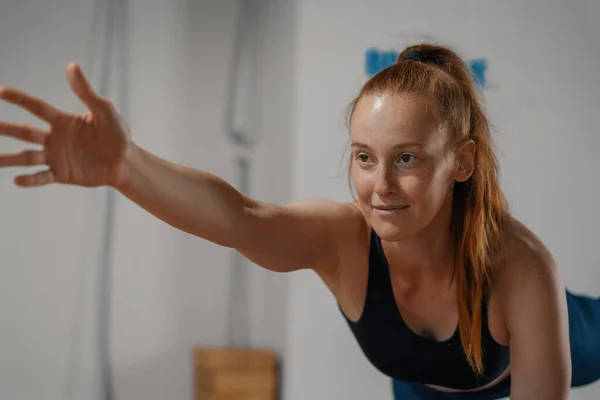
{"points": [[387, 210]]}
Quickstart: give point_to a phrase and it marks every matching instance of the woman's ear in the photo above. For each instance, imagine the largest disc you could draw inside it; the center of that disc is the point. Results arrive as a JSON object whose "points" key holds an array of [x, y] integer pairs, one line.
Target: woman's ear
{"points": [[465, 162]]}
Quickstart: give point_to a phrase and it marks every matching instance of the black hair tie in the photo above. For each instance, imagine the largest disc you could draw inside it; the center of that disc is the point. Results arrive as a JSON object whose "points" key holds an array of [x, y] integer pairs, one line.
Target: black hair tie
{"points": [[422, 56]]}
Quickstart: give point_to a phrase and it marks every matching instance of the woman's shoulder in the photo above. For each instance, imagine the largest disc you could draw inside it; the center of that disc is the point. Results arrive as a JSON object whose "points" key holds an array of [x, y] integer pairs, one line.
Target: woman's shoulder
{"points": [[522, 249], [357, 215], [524, 265]]}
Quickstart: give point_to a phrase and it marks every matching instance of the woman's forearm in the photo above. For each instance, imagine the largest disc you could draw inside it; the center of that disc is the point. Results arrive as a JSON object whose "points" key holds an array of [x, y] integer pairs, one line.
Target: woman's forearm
{"points": [[193, 201]]}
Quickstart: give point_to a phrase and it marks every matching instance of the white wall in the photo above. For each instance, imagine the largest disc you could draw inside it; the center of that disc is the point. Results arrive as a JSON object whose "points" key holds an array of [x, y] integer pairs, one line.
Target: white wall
{"points": [[170, 290], [543, 99]]}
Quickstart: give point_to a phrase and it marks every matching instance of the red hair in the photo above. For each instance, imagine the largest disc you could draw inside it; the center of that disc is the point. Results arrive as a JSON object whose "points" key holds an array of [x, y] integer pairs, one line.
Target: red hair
{"points": [[480, 211]]}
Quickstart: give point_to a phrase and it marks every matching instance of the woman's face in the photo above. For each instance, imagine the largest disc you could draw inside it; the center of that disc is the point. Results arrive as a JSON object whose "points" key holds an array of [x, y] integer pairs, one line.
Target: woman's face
{"points": [[403, 165]]}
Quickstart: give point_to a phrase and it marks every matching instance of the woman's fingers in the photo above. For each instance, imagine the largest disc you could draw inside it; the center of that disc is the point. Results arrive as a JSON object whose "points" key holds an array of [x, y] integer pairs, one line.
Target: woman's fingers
{"points": [[84, 91], [38, 179], [34, 105], [25, 158], [26, 133], [43, 110]]}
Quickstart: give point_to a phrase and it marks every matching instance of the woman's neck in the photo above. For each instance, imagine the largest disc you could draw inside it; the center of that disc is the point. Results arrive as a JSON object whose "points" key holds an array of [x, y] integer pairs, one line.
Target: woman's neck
{"points": [[428, 254]]}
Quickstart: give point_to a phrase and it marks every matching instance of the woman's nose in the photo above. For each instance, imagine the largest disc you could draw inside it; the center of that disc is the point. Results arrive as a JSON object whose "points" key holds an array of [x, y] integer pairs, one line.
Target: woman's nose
{"points": [[385, 182]]}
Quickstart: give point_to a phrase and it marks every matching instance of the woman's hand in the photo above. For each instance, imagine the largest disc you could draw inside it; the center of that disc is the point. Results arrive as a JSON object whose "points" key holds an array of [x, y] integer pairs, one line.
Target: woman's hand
{"points": [[87, 149]]}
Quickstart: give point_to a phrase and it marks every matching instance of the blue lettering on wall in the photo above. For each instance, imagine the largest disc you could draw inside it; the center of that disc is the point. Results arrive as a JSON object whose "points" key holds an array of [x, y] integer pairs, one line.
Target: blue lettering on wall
{"points": [[377, 60], [478, 69]]}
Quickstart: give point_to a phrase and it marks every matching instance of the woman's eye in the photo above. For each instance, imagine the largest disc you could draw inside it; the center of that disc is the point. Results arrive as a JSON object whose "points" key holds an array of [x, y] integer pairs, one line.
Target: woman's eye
{"points": [[407, 158], [363, 158]]}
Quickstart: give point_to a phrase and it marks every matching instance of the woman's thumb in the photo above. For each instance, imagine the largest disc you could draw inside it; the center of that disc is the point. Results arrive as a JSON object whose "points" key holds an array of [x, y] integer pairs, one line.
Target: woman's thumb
{"points": [[82, 88]]}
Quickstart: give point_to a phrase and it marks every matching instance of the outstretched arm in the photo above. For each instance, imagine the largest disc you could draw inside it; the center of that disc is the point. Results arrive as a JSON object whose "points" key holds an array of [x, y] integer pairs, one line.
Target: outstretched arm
{"points": [[304, 234], [94, 149]]}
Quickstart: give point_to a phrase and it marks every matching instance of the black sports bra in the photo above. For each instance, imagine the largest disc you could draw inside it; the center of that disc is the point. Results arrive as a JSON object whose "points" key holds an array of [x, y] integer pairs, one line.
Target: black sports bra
{"points": [[393, 348]]}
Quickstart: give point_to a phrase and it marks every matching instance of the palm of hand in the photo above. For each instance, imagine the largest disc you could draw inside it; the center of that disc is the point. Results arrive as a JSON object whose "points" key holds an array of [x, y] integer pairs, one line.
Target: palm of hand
{"points": [[86, 150]]}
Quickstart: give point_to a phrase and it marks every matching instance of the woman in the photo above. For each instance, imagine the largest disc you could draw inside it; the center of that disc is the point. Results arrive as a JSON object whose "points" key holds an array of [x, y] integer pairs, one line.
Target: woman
{"points": [[444, 291]]}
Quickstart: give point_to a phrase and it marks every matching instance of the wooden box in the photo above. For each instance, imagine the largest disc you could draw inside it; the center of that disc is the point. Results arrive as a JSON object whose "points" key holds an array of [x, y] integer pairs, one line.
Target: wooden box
{"points": [[234, 374]]}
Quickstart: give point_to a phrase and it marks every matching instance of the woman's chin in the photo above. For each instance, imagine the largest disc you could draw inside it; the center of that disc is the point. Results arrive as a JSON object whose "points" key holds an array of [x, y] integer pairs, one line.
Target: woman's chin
{"points": [[390, 231]]}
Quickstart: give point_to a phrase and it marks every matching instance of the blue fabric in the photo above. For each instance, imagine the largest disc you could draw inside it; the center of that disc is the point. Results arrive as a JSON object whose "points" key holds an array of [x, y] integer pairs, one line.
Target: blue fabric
{"points": [[414, 391], [584, 335]]}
